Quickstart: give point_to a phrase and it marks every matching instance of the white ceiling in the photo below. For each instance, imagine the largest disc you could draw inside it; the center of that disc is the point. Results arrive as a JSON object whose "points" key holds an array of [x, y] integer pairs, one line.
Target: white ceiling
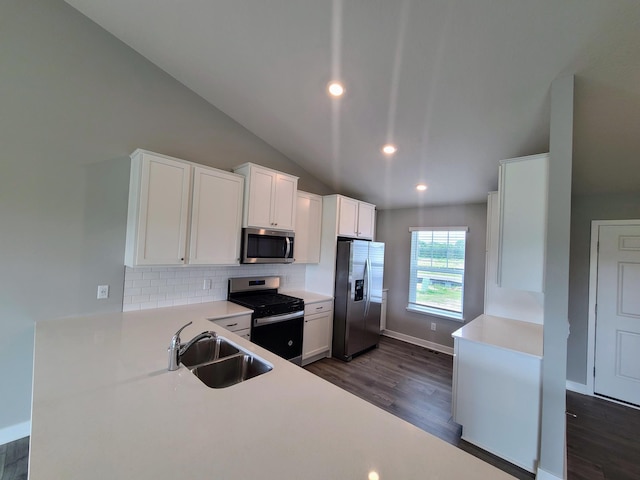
{"points": [[456, 84]]}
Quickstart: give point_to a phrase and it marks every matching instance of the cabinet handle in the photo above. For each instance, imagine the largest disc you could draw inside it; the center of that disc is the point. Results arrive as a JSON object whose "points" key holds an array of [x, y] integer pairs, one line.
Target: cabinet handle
{"points": [[182, 259], [232, 324], [319, 308]]}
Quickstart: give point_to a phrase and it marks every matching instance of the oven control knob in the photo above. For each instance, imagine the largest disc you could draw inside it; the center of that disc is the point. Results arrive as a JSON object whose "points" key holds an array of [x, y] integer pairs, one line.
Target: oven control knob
{"points": [[290, 342]]}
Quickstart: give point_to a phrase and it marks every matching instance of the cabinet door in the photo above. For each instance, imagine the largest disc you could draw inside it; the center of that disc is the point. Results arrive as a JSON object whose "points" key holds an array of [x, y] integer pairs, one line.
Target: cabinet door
{"points": [[317, 334], [347, 217], [366, 220], [261, 200], [216, 217], [308, 228], [163, 210], [523, 220], [284, 201]]}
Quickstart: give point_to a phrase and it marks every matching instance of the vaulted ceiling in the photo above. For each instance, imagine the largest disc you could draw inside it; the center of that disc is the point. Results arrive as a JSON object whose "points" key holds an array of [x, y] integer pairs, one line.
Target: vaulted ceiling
{"points": [[457, 85]]}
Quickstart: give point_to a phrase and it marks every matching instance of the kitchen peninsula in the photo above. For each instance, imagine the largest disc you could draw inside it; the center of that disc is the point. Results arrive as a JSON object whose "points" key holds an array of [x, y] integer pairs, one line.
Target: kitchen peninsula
{"points": [[105, 407]]}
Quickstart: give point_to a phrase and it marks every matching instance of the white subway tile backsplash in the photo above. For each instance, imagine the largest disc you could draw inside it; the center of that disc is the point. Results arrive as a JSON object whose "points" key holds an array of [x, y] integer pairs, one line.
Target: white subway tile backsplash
{"points": [[132, 291], [132, 275], [155, 287]]}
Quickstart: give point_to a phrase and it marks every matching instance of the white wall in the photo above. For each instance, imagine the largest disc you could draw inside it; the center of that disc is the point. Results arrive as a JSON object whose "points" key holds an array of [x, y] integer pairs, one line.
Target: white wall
{"points": [[556, 284], [74, 103]]}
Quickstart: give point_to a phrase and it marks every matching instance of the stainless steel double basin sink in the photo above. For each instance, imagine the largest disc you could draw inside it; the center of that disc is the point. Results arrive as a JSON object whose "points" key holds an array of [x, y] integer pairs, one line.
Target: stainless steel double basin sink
{"points": [[219, 363]]}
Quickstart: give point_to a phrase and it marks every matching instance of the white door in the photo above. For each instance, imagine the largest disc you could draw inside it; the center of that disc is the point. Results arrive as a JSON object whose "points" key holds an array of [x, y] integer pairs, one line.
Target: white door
{"points": [[617, 361]]}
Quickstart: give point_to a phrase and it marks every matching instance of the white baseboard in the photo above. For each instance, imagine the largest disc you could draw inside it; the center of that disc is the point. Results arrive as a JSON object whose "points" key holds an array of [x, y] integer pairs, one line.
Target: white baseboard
{"points": [[418, 341], [15, 432], [544, 475], [578, 388]]}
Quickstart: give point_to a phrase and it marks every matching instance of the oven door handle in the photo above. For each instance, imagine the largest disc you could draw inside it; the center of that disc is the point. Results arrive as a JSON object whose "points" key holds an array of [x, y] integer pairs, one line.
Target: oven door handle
{"points": [[278, 318]]}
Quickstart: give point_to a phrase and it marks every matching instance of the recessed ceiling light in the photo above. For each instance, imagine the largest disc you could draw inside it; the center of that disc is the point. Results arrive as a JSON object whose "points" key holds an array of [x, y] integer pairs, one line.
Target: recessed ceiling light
{"points": [[389, 149], [336, 89], [421, 187]]}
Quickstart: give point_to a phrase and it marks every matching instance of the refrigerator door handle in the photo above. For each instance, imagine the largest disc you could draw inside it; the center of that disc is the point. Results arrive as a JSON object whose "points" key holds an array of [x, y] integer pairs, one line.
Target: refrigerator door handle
{"points": [[367, 274]]}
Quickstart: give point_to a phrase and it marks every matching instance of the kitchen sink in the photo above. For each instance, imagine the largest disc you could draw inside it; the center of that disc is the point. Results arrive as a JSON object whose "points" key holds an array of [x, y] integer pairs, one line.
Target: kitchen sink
{"points": [[230, 370], [208, 350]]}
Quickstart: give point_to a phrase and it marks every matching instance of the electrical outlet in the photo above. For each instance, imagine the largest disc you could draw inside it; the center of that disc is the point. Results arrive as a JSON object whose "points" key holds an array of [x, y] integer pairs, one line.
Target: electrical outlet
{"points": [[103, 292], [433, 326], [206, 285]]}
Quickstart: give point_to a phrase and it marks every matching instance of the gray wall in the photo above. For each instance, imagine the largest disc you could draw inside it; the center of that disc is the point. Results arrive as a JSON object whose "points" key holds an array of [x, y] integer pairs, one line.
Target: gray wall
{"points": [[393, 229], [75, 102], [584, 209]]}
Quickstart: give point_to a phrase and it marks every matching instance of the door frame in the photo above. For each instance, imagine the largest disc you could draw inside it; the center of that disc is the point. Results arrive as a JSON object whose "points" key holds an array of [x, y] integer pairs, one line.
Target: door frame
{"points": [[593, 288]]}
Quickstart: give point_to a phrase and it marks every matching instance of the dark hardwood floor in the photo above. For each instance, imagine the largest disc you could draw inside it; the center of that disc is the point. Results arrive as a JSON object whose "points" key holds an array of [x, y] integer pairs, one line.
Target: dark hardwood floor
{"points": [[13, 460], [414, 383]]}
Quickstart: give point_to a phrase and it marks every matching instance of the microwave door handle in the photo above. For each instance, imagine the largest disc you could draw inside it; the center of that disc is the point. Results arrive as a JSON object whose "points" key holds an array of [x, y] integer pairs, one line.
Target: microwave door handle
{"points": [[288, 250]]}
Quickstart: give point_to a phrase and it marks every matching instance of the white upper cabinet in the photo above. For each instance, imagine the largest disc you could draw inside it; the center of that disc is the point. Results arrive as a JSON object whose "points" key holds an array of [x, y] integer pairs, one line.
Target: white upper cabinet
{"points": [[174, 204], [356, 219], [308, 228], [523, 219], [216, 217], [499, 301], [158, 210], [269, 199]]}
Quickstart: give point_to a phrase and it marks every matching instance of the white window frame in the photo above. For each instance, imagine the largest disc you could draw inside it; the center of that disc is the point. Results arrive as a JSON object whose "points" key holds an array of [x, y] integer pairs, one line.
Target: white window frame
{"points": [[434, 311]]}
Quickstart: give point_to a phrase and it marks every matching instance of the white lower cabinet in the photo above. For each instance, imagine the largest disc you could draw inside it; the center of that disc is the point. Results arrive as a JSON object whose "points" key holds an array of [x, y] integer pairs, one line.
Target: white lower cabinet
{"points": [[239, 324], [318, 327], [496, 396]]}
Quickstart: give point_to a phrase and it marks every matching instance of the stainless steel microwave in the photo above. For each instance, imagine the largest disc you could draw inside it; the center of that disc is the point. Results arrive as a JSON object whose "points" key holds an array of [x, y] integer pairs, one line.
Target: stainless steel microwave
{"points": [[266, 246]]}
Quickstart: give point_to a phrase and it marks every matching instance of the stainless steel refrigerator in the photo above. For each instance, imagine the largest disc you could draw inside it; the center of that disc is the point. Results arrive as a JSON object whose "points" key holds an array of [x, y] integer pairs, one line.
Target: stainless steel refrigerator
{"points": [[358, 297]]}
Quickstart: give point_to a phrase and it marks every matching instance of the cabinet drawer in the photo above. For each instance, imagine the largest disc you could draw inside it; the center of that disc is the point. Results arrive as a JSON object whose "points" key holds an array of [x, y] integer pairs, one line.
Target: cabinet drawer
{"points": [[244, 333], [234, 324], [319, 307]]}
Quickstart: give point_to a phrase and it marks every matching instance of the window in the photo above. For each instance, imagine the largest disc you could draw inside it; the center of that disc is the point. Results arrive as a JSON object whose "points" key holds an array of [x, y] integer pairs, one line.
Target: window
{"points": [[436, 282]]}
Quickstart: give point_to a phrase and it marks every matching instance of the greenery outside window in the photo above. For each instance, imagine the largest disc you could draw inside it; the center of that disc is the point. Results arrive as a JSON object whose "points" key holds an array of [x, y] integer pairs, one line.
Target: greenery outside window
{"points": [[436, 281]]}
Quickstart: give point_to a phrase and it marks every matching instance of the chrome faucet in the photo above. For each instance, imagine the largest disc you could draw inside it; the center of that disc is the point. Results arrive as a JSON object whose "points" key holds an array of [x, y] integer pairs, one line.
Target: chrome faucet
{"points": [[176, 349]]}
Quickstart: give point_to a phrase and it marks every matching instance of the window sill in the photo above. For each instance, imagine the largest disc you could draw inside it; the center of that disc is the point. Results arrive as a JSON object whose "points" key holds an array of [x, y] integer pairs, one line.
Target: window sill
{"points": [[434, 312]]}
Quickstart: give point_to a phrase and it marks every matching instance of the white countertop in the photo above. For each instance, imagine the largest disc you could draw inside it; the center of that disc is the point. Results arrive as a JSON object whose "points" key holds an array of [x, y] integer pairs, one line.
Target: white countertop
{"points": [[516, 335], [308, 297], [105, 407]]}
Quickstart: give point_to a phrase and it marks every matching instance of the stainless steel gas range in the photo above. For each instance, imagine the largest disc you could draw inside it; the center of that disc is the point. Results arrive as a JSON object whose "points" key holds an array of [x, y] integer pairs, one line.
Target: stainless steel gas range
{"points": [[277, 321]]}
